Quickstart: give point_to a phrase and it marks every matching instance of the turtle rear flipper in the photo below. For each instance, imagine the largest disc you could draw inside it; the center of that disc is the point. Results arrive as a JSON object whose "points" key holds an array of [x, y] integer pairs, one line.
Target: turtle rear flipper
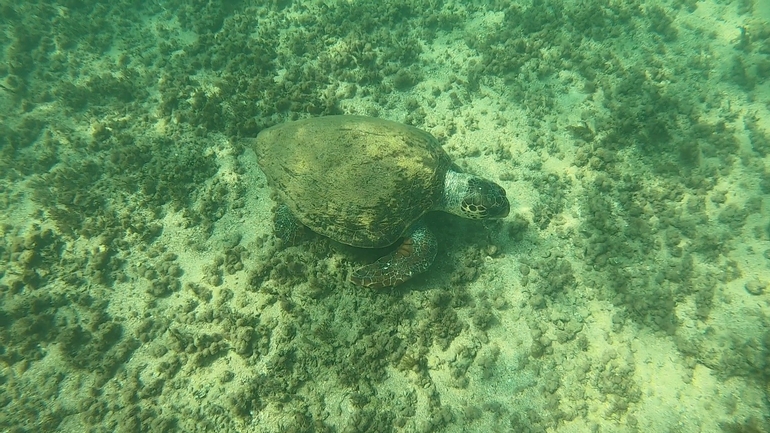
{"points": [[414, 256], [286, 226]]}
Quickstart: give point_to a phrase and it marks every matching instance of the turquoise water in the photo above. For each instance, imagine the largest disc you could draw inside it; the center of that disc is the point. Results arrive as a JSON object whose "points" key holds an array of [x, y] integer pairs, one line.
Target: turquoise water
{"points": [[142, 288]]}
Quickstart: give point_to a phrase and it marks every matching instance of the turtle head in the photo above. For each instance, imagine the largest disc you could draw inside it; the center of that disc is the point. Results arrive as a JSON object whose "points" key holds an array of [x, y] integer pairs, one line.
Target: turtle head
{"points": [[474, 197]]}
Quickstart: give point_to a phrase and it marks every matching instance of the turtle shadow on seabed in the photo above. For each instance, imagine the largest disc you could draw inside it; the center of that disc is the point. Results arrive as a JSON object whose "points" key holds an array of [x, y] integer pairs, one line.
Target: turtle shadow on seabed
{"points": [[462, 245], [462, 242]]}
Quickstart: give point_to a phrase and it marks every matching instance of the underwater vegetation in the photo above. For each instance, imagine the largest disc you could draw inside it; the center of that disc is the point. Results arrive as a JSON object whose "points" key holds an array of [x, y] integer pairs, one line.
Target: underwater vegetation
{"points": [[141, 287]]}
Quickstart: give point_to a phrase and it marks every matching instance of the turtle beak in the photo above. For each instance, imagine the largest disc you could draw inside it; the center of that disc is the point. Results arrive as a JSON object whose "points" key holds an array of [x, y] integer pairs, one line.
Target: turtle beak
{"points": [[499, 206]]}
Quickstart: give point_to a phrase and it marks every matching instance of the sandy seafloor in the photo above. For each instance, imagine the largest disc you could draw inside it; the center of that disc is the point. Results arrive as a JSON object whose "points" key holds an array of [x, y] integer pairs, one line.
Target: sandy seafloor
{"points": [[141, 288]]}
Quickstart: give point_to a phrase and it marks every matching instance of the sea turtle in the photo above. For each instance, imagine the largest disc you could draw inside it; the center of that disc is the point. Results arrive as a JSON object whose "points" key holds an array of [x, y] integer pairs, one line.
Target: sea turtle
{"points": [[367, 182]]}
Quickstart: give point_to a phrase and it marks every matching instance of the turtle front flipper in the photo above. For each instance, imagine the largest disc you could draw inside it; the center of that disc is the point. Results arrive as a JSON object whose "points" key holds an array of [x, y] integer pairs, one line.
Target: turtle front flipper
{"points": [[412, 257]]}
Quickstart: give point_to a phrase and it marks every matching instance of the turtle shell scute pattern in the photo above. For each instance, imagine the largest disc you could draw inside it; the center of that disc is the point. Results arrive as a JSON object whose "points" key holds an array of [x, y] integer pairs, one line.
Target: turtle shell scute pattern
{"points": [[358, 180]]}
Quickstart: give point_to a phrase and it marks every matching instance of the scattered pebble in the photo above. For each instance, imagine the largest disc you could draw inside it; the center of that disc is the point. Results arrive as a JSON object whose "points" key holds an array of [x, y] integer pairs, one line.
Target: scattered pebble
{"points": [[524, 269], [756, 286]]}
